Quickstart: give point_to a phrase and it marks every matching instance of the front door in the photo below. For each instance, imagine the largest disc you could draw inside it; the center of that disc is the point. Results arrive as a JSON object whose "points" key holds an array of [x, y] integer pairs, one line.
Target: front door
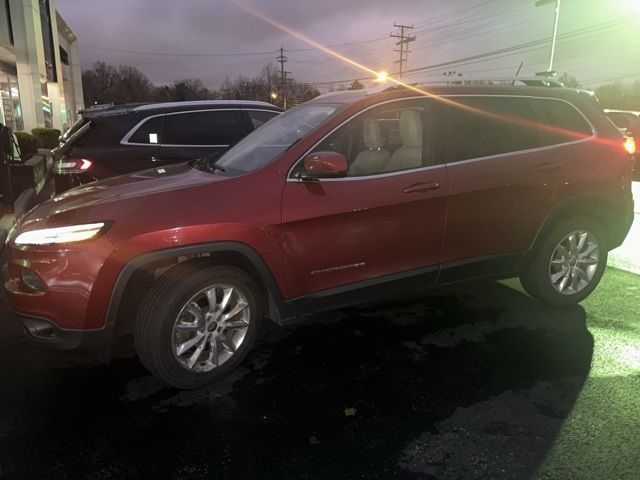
{"points": [[382, 223]]}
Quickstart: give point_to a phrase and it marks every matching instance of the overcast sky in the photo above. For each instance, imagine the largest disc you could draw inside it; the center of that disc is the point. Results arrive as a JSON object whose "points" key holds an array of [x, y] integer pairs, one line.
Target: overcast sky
{"points": [[599, 40]]}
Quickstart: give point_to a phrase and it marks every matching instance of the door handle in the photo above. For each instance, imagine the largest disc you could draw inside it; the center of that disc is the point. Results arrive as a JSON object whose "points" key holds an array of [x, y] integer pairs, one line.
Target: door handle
{"points": [[548, 167], [421, 187], [156, 159]]}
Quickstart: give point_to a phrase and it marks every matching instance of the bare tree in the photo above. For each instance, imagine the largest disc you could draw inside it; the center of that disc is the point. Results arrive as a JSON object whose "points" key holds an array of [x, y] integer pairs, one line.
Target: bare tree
{"points": [[570, 80]]}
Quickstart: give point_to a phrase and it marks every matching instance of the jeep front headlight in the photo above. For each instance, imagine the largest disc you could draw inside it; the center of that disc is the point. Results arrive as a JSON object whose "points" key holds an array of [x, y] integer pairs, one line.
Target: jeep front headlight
{"points": [[51, 236]]}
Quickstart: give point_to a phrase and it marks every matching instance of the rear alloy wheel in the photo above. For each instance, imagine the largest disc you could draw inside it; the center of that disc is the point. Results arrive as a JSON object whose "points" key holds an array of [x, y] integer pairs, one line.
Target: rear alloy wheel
{"points": [[198, 323], [574, 262], [567, 266]]}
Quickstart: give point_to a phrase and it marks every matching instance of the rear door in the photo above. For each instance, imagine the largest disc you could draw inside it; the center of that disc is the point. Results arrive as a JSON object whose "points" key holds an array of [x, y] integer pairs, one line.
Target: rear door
{"points": [[381, 226], [503, 183], [195, 134]]}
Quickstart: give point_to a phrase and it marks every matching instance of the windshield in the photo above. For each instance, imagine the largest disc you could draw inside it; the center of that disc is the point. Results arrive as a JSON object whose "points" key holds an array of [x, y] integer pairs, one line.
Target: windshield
{"points": [[275, 137]]}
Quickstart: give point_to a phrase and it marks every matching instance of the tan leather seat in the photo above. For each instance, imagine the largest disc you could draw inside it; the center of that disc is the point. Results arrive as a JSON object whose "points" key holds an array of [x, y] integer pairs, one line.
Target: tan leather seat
{"points": [[374, 158], [409, 155]]}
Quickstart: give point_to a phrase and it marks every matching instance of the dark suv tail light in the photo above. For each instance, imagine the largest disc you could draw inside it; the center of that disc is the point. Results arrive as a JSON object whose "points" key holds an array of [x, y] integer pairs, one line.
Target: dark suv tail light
{"points": [[72, 165], [630, 145]]}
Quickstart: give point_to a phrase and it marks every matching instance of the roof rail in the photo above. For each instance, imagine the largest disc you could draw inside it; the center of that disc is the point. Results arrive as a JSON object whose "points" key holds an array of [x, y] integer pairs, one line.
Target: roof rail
{"points": [[203, 103], [531, 81], [360, 91]]}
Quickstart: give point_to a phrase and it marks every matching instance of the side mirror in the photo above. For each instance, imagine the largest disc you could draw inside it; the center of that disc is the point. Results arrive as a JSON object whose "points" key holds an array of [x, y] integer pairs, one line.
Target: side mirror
{"points": [[324, 165]]}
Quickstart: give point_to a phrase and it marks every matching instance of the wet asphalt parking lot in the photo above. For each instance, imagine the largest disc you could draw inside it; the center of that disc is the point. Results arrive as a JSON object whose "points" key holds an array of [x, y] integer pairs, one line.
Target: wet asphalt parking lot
{"points": [[478, 381]]}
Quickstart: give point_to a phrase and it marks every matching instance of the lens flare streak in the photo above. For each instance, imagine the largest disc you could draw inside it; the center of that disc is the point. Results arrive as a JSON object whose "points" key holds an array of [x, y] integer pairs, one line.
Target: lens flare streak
{"points": [[382, 76]]}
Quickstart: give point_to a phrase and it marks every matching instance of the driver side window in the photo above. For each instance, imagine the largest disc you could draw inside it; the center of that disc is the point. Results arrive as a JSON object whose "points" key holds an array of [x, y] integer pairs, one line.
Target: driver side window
{"points": [[388, 138]]}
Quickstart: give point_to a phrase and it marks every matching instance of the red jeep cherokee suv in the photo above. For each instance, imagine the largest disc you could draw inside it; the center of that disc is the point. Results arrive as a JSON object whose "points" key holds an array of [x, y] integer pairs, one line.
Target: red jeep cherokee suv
{"points": [[348, 198]]}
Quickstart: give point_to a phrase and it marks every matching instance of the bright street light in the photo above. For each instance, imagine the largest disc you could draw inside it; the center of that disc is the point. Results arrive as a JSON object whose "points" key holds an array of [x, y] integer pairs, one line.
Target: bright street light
{"points": [[383, 76]]}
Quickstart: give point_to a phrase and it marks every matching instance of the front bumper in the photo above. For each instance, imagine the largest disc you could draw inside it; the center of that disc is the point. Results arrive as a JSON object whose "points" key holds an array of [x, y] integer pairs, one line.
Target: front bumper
{"points": [[77, 280], [97, 343]]}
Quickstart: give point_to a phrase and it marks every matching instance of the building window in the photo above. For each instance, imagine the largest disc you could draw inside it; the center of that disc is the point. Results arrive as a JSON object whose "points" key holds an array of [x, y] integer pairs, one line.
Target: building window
{"points": [[47, 40], [64, 56], [6, 31], [10, 108]]}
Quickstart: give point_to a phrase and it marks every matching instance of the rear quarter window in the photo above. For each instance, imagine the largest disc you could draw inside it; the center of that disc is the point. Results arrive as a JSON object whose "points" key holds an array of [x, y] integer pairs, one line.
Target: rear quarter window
{"points": [[562, 122], [260, 117], [149, 132]]}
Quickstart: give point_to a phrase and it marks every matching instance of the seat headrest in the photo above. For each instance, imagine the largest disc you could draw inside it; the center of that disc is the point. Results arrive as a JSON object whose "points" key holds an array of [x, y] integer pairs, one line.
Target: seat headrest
{"points": [[411, 128], [371, 133]]}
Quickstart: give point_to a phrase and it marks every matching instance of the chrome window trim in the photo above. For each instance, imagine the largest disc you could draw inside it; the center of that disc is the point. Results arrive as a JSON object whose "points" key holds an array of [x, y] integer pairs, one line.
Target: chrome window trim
{"points": [[394, 173], [173, 145], [462, 162], [134, 129]]}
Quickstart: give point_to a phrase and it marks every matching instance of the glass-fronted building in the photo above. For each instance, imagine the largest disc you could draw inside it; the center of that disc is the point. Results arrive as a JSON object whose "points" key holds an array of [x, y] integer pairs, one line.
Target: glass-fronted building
{"points": [[40, 77]]}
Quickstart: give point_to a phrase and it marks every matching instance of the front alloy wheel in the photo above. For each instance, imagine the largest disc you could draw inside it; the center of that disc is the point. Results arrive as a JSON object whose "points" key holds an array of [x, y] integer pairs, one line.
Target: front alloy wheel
{"points": [[198, 322], [211, 327]]}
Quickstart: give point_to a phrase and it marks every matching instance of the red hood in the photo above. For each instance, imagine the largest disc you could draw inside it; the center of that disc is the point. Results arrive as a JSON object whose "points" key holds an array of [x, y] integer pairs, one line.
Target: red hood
{"points": [[124, 187]]}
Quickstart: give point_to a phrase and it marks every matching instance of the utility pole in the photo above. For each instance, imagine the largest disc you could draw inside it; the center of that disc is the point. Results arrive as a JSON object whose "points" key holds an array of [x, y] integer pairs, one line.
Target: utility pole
{"points": [[539, 3], [282, 59], [403, 43]]}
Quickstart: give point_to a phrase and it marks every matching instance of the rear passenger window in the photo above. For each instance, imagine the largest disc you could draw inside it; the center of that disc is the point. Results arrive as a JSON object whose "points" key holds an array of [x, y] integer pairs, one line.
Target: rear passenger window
{"points": [[563, 122], [486, 126], [260, 117], [149, 132], [202, 128]]}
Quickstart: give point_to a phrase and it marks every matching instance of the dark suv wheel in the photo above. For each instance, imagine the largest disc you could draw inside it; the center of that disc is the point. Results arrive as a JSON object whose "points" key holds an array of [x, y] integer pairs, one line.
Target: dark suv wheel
{"points": [[568, 264], [198, 323]]}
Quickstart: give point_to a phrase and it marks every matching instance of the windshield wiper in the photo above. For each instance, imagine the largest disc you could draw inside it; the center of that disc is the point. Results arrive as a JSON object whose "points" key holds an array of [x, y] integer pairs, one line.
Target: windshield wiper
{"points": [[208, 164]]}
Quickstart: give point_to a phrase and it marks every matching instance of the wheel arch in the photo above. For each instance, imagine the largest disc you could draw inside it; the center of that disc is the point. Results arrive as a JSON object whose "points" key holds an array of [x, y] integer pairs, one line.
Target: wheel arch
{"points": [[597, 206], [129, 288]]}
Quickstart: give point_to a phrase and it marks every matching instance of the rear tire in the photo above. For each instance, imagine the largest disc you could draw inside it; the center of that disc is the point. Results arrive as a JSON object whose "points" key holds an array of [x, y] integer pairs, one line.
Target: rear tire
{"points": [[568, 263], [198, 323]]}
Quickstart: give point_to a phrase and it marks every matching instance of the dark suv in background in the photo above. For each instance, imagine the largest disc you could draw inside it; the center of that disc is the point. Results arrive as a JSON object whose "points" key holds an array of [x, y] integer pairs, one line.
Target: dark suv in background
{"points": [[121, 139]]}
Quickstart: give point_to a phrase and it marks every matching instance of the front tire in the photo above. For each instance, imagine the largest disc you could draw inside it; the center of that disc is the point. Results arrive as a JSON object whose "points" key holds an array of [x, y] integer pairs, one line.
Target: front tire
{"points": [[568, 264], [198, 322]]}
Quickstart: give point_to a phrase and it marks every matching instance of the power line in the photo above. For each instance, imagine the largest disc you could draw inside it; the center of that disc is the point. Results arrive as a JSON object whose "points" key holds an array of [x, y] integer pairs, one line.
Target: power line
{"points": [[231, 54], [514, 48]]}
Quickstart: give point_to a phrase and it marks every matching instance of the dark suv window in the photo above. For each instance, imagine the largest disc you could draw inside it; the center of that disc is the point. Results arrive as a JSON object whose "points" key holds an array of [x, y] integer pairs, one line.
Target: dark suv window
{"points": [[562, 122], [150, 132], [486, 126], [214, 127], [260, 117]]}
